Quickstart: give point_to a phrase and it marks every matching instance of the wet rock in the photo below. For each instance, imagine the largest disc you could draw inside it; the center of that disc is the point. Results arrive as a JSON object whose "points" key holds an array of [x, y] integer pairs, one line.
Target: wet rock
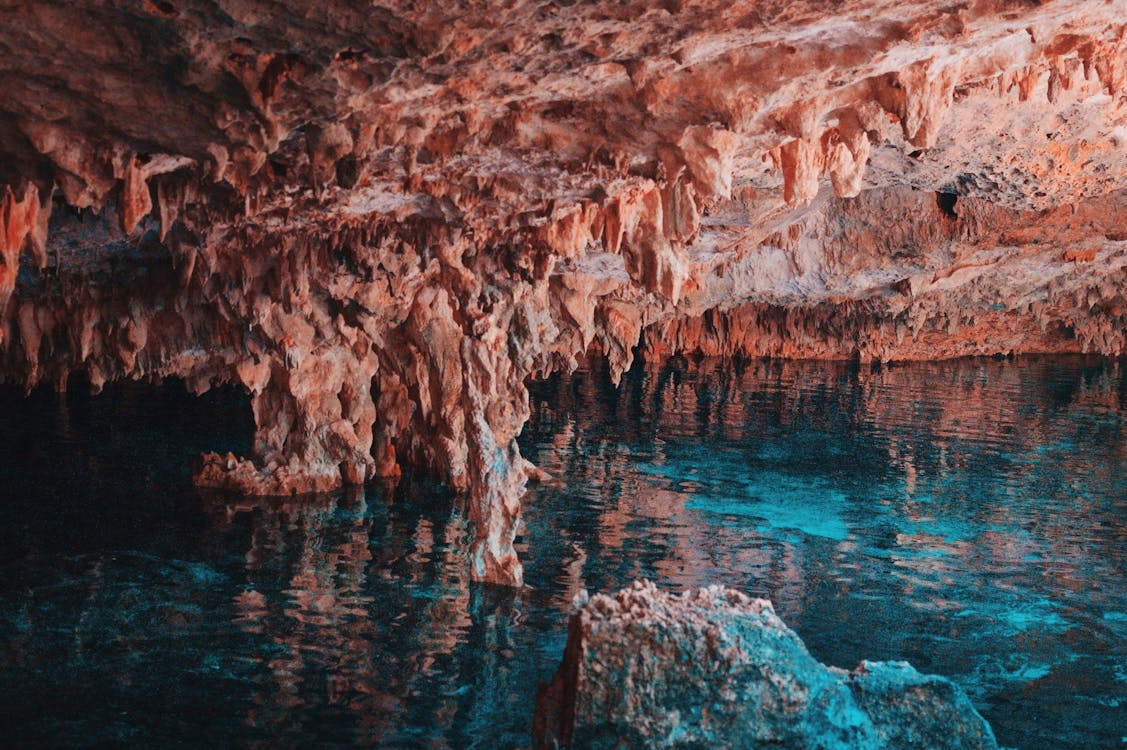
{"points": [[715, 668]]}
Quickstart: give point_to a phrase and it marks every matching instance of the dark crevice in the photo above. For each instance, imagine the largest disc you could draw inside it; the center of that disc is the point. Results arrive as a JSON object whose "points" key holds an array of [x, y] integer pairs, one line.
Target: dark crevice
{"points": [[946, 203]]}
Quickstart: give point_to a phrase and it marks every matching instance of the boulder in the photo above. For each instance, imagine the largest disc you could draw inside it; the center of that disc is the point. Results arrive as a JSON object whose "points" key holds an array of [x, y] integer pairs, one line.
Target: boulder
{"points": [[714, 668]]}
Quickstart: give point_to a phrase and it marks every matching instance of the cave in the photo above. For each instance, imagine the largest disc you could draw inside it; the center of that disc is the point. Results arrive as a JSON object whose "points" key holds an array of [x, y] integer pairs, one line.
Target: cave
{"points": [[347, 348]]}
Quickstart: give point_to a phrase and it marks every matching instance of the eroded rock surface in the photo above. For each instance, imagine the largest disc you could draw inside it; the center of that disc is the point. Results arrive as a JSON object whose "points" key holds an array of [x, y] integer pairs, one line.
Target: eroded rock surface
{"points": [[714, 668], [383, 219]]}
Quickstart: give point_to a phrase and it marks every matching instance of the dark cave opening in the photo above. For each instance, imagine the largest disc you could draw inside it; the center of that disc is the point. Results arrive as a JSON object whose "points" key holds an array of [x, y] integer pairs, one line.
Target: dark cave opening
{"points": [[118, 460], [946, 203]]}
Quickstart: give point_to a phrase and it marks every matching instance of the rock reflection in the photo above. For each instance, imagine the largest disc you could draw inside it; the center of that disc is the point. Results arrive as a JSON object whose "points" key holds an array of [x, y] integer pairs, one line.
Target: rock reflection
{"points": [[967, 516], [364, 621], [306, 592]]}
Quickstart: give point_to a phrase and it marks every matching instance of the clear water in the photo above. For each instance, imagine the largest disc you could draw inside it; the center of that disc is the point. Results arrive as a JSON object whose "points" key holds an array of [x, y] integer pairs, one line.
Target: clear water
{"points": [[968, 516]]}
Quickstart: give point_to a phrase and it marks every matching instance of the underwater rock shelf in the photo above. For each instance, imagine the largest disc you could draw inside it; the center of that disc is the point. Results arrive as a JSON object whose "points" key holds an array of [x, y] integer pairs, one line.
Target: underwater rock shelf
{"points": [[715, 668]]}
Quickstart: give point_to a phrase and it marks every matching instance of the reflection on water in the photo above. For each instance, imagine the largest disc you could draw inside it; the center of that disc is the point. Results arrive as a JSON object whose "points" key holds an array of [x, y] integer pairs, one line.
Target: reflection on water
{"points": [[970, 517]]}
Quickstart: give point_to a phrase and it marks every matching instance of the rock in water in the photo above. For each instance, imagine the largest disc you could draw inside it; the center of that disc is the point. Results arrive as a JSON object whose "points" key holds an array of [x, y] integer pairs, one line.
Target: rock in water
{"points": [[714, 668]]}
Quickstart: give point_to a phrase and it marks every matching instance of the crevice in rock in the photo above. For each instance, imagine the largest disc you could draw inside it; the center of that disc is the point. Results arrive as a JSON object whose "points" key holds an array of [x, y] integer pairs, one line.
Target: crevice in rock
{"points": [[946, 203]]}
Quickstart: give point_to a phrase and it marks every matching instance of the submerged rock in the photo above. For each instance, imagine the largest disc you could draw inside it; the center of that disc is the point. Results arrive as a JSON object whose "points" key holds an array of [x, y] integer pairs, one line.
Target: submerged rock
{"points": [[715, 668]]}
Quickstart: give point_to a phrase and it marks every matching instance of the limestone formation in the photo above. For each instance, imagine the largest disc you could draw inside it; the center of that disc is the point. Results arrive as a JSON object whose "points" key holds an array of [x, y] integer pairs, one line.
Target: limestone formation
{"points": [[383, 219], [714, 668]]}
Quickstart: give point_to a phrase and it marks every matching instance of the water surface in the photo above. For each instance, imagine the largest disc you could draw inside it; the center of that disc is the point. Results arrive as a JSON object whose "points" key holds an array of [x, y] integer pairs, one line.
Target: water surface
{"points": [[968, 516]]}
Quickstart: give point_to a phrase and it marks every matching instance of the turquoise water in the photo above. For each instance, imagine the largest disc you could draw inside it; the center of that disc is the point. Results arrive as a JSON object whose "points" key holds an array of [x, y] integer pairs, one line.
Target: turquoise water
{"points": [[970, 517]]}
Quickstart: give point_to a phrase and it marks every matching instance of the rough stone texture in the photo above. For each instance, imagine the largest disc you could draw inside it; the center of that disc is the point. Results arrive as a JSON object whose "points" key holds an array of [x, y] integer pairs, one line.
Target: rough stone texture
{"points": [[714, 668], [383, 219]]}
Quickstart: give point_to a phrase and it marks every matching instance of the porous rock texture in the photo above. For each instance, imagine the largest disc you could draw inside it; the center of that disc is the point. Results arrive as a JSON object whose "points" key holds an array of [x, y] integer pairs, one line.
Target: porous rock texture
{"points": [[715, 668], [383, 218]]}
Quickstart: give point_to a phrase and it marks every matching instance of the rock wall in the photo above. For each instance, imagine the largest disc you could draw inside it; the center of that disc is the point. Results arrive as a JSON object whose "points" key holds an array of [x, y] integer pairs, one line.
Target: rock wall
{"points": [[383, 220]]}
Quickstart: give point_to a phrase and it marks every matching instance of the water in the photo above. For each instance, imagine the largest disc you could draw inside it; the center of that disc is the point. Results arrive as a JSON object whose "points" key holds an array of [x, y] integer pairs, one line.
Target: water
{"points": [[970, 517]]}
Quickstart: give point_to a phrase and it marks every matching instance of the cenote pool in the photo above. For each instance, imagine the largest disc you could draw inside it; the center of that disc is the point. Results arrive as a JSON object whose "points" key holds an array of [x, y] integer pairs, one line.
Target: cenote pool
{"points": [[968, 516]]}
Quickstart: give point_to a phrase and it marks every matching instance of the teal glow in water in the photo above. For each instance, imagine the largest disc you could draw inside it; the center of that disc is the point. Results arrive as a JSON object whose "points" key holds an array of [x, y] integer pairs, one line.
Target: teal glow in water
{"points": [[970, 517]]}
